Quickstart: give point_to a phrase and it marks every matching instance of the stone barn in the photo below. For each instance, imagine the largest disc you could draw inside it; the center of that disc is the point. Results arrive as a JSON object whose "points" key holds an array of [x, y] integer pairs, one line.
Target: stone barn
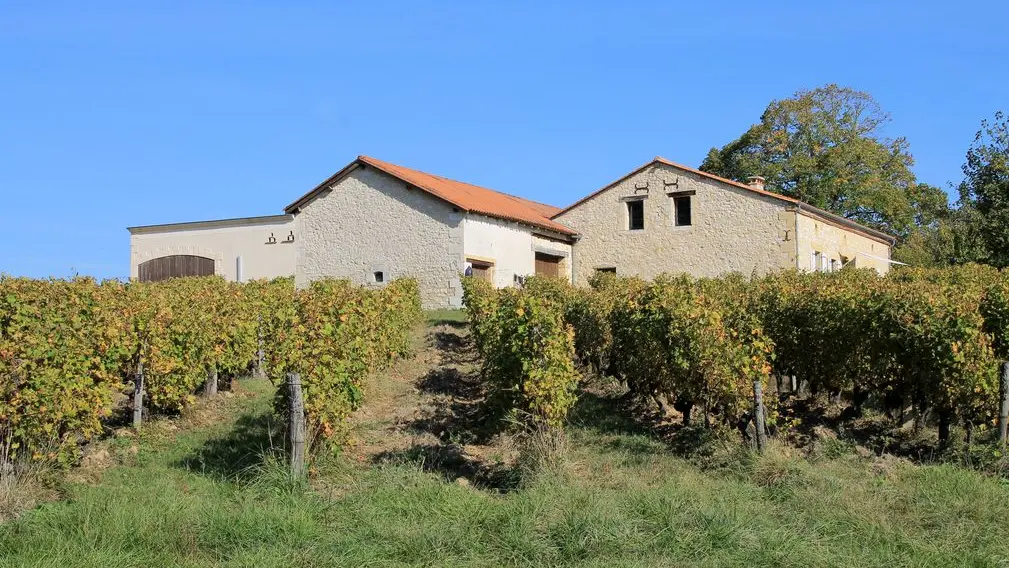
{"points": [[374, 221]]}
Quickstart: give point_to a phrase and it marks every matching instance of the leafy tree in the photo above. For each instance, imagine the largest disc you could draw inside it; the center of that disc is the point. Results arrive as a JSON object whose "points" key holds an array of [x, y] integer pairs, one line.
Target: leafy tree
{"points": [[984, 192], [953, 238], [826, 148]]}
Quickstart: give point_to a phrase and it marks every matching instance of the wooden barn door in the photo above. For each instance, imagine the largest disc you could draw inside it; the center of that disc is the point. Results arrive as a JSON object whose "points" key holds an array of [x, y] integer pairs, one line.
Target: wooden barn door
{"points": [[481, 269], [547, 265], [175, 266]]}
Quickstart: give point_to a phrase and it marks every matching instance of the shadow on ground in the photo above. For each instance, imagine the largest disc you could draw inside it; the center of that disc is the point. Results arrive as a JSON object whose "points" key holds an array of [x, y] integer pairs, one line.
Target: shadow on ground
{"points": [[458, 413], [455, 324], [456, 416], [455, 348], [236, 455], [815, 425], [453, 463]]}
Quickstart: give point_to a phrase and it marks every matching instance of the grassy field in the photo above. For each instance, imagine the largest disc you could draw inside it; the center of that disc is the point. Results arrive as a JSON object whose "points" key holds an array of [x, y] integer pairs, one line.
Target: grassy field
{"points": [[206, 490]]}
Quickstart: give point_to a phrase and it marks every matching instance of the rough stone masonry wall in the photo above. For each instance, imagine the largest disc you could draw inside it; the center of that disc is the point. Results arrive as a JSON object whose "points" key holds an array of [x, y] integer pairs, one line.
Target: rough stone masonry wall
{"points": [[836, 243], [371, 222], [732, 229]]}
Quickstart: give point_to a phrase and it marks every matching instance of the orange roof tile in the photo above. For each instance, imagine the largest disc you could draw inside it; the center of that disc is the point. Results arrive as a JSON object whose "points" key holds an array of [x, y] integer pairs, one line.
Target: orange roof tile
{"points": [[475, 198], [465, 196]]}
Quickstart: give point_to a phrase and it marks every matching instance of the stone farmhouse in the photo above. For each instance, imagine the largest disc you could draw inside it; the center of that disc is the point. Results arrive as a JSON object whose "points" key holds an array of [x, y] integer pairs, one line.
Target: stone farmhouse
{"points": [[374, 221]]}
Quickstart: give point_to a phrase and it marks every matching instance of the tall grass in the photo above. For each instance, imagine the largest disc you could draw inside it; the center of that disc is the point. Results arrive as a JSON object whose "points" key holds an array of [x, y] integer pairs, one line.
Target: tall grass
{"points": [[624, 501]]}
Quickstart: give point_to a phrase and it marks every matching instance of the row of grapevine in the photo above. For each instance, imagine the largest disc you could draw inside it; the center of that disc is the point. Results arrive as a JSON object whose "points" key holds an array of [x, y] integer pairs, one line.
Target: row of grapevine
{"points": [[928, 339], [70, 349], [333, 334], [62, 349], [527, 351], [916, 338]]}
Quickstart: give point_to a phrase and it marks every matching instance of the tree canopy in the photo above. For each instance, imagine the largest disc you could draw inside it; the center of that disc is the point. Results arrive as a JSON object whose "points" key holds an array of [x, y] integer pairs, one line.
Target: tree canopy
{"points": [[826, 147], [984, 191]]}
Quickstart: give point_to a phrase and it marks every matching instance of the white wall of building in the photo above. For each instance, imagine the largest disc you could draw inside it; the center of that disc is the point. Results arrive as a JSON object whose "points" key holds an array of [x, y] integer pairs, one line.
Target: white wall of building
{"points": [[223, 241], [510, 246]]}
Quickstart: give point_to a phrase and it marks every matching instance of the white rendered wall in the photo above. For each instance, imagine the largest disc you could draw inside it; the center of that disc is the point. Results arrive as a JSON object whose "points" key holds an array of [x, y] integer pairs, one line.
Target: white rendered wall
{"points": [[222, 244], [511, 247]]}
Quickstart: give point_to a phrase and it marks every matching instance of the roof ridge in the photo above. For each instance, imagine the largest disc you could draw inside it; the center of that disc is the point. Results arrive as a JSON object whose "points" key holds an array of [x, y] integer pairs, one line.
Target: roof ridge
{"points": [[444, 178], [474, 198], [710, 175]]}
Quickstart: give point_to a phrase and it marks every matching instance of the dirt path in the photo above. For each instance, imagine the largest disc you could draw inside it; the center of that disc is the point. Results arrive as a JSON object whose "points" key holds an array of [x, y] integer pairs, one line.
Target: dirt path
{"points": [[426, 409]]}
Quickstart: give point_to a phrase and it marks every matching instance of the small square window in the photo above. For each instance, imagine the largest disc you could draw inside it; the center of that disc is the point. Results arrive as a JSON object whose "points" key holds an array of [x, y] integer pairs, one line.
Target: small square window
{"points": [[636, 215], [681, 211], [379, 277]]}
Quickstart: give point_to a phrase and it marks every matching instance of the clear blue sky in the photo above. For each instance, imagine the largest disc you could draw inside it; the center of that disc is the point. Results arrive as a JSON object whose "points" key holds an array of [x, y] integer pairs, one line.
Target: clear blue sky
{"points": [[127, 113]]}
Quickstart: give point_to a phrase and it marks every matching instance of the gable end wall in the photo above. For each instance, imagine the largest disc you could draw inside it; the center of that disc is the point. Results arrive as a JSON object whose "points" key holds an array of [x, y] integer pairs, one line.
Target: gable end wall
{"points": [[370, 221], [732, 229]]}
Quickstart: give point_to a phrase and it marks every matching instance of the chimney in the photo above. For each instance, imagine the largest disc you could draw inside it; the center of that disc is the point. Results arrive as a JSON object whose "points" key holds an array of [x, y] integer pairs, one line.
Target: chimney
{"points": [[756, 182]]}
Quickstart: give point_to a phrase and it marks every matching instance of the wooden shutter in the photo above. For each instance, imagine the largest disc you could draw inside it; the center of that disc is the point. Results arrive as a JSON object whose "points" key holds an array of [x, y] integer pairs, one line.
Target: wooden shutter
{"points": [[175, 266], [481, 270], [547, 265]]}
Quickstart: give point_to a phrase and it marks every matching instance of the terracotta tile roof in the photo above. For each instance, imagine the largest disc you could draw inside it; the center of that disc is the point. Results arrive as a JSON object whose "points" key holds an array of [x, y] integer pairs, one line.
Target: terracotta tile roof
{"points": [[474, 198], [466, 197]]}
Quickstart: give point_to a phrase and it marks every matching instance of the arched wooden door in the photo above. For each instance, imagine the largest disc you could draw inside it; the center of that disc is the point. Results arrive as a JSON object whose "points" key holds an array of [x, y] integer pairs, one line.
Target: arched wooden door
{"points": [[175, 266]]}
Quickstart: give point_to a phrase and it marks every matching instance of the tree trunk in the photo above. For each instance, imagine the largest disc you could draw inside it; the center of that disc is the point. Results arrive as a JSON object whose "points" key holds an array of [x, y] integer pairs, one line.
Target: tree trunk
{"points": [[685, 407], [211, 388], [944, 426], [921, 421], [296, 428], [835, 396], [858, 398]]}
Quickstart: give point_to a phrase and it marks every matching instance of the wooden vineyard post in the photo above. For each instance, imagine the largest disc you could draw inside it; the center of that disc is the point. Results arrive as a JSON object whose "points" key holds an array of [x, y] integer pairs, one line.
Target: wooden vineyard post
{"points": [[211, 388], [296, 427], [260, 371], [138, 394], [758, 415], [1003, 415]]}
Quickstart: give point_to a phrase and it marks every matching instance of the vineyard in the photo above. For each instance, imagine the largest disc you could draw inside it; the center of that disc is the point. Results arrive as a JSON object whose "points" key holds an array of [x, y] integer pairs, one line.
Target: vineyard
{"points": [[434, 447], [921, 343], [74, 352]]}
